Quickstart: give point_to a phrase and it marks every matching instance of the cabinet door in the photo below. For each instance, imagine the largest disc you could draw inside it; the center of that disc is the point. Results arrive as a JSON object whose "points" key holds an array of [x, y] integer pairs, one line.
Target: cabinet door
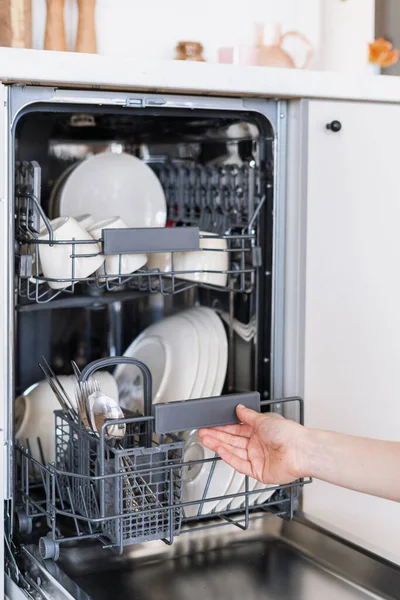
{"points": [[352, 301]]}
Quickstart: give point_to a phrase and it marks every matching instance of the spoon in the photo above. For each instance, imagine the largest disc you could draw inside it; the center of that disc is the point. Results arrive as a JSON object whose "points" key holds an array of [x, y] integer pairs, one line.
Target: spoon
{"points": [[102, 408]]}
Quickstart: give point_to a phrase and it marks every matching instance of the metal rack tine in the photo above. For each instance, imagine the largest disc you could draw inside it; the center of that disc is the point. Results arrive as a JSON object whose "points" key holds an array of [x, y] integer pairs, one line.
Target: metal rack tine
{"points": [[41, 453]]}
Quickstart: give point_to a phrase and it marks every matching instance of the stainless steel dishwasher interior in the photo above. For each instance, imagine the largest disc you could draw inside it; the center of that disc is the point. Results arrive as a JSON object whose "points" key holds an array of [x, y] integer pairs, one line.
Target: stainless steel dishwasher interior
{"points": [[89, 323], [275, 560]]}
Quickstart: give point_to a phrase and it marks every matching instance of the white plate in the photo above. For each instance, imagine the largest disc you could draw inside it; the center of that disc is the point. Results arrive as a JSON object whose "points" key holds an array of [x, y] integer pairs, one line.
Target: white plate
{"points": [[237, 502], [181, 336], [213, 352], [235, 487], [213, 385], [110, 184], [195, 477], [55, 192], [264, 496], [154, 352], [220, 332], [208, 363]]}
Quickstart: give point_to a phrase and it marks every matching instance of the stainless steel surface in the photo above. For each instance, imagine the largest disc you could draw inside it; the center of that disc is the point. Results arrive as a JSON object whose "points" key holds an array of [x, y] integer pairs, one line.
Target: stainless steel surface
{"points": [[28, 96], [279, 244], [7, 301], [277, 561], [265, 569], [347, 560], [12, 591], [45, 580]]}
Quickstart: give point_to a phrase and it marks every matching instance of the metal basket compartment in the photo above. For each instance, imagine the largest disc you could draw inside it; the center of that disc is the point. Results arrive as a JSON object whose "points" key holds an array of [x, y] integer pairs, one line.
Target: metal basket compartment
{"points": [[127, 489]]}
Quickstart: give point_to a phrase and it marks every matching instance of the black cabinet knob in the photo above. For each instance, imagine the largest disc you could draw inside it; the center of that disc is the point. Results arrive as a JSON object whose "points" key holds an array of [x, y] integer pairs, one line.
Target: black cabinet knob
{"points": [[334, 126]]}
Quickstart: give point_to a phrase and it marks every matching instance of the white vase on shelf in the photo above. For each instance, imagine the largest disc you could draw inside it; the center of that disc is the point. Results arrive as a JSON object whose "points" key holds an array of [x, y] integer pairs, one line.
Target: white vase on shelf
{"points": [[346, 30]]}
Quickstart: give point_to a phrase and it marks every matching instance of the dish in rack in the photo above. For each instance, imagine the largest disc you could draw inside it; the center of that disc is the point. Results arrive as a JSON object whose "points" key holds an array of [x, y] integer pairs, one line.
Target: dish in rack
{"points": [[69, 247]]}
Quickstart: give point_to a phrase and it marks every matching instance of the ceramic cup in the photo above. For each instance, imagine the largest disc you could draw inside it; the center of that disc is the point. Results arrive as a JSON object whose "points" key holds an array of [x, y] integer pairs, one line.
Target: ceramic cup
{"points": [[116, 265], [85, 221], [34, 411], [211, 257], [37, 270], [57, 261]]}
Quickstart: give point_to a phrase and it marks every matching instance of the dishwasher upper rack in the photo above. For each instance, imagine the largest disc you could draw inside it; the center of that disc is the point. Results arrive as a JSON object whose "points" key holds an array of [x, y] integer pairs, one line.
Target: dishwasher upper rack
{"points": [[237, 274]]}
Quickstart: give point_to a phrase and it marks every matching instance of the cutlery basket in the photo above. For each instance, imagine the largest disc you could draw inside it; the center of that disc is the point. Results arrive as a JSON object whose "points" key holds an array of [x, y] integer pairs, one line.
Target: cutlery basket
{"points": [[133, 485], [132, 492]]}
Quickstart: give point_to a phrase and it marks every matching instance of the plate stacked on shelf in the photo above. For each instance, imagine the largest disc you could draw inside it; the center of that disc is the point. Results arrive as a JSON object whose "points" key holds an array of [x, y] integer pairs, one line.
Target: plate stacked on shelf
{"points": [[108, 181], [187, 355]]}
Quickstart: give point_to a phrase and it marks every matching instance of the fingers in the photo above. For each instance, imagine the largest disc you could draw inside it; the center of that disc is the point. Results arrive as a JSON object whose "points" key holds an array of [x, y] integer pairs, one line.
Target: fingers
{"points": [[215, 445], [222, 436], [241, 430], [248, 416], [231, 458]]}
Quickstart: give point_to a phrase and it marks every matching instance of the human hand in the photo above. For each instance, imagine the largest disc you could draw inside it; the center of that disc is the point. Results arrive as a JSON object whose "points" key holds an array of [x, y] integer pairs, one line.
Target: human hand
{"points": [[266, 446]]}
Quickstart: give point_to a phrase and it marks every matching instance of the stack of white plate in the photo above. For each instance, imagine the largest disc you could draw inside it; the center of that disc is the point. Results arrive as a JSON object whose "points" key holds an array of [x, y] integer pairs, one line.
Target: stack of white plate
{"points": [[187, 355]]}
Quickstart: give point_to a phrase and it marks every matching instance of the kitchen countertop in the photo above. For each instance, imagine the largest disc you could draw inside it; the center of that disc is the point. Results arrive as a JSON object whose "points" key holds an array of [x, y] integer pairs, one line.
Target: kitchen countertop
{"points": [[95, 71]]}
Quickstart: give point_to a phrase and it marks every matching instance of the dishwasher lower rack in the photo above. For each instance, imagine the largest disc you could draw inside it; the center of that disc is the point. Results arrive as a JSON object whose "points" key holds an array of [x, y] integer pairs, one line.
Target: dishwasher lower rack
{"points": [[125, 493]]}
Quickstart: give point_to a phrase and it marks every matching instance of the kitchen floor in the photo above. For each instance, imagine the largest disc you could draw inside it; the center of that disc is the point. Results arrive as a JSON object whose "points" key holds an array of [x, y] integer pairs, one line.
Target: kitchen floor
{"points": [[254, 570]]}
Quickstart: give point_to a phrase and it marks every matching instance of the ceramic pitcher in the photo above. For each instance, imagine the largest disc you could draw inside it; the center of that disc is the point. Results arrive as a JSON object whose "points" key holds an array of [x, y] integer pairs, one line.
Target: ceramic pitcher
{"points": [[269, 51]]}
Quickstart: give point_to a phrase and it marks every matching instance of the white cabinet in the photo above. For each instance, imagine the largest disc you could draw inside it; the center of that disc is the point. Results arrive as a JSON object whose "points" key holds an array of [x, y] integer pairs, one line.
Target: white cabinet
{"points": [[352, 299]]}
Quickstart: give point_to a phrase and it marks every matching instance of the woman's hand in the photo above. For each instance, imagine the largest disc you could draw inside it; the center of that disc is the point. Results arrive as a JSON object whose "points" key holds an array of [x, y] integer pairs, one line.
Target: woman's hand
{"points": [[266, 446], [275, 450]]}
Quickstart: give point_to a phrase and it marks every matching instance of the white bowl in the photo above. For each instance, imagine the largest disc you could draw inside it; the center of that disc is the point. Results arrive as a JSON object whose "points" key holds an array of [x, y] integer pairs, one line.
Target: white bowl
{"points": [[213, 256], [120, 183], [35, 410], [156, 353], [85, 221], [56, 260], [116, 265]]}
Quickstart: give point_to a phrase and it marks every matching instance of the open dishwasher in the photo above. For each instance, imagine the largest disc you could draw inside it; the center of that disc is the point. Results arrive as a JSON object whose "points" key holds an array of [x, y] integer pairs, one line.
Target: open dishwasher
{"points": [[85, 506]]}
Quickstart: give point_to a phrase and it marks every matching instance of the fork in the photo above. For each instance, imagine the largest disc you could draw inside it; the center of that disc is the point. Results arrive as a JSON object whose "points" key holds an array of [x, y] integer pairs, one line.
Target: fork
{"points": [[133, 482]]}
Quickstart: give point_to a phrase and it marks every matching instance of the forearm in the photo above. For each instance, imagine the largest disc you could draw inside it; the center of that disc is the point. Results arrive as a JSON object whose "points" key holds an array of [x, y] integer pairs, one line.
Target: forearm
{"points": [[361, 464]]}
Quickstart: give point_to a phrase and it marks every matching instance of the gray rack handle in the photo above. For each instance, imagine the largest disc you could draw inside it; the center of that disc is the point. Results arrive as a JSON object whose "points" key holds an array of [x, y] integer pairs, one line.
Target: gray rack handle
{"points": [[182, 415], [148, 240], [101, 363], [204, 412]]}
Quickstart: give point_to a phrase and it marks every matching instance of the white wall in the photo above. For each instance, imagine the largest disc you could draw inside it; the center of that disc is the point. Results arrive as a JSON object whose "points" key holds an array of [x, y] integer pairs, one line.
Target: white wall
{"points": [[338, 30], [151, 29]]}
